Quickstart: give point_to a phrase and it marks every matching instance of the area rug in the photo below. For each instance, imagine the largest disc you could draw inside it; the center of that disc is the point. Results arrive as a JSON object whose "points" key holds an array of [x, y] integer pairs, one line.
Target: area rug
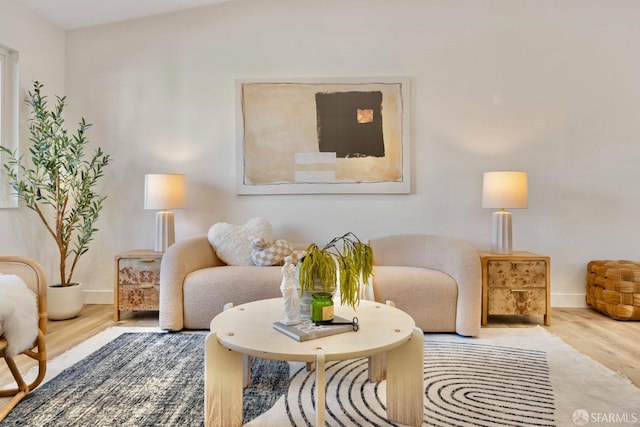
{"points": [[141, 379], [507, 377]]}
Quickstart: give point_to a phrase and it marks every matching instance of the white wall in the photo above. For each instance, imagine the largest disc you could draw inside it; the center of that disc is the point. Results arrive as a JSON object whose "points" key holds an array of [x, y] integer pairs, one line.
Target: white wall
{"points": [[547, 86], [41, 48]]}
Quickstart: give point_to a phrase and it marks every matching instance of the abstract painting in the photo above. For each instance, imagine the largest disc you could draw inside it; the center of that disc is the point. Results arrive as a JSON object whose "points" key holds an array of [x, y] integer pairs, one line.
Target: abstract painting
{"points": [[323, 136]]}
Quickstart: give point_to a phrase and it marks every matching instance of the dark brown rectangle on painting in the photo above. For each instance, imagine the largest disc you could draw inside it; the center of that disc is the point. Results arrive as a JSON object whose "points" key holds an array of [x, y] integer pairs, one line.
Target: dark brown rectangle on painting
{"points": [[350, 123]]}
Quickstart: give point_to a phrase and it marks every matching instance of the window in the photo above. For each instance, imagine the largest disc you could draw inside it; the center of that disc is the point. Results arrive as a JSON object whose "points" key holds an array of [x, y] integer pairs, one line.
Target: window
{"points": [[8, 117]]}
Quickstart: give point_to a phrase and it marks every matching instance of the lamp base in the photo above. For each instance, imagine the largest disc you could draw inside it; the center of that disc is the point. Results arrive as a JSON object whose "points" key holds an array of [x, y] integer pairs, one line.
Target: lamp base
{"points": [[165, 232], [501, 233]]}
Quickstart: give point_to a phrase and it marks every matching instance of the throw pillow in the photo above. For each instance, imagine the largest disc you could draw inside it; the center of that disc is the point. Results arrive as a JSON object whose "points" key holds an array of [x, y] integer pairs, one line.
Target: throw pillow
{"points": [[267, 252], [18, 314], [231, 242]]}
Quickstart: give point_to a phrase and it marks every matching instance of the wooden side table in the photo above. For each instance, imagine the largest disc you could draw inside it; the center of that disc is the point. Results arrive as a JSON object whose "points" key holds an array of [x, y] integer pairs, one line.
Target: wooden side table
{"points": [[518, 283], [137, 281]]}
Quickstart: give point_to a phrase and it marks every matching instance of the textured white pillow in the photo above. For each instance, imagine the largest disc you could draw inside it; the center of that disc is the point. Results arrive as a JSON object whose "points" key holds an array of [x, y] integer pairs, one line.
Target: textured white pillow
{"points": [[231, 242], [18, 314]]}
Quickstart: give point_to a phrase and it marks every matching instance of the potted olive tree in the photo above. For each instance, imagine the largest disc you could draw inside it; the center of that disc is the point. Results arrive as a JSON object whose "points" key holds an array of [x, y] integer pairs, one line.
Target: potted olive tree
{"points": [[344, 262], [58, 184]]}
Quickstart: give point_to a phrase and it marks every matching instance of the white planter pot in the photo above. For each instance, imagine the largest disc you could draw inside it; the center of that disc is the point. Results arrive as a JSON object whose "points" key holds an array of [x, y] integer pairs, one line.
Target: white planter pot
{"points": [[64, 302]]}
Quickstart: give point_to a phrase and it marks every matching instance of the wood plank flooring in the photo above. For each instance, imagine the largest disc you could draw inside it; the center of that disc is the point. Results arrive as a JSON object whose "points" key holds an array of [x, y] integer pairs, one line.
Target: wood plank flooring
{"points": [[615, 344]]}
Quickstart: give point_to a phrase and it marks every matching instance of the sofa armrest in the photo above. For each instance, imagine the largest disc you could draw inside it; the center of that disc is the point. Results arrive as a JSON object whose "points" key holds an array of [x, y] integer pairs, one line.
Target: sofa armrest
{"points": [[447, 255], [179, 260], [465, 267]]}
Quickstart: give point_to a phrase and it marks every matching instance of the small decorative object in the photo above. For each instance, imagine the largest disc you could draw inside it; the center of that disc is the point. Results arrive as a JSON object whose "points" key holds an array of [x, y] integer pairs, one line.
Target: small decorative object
{"points": [[339, 321], [289, 294], [58, 182], [344, 262], [322, 308]]}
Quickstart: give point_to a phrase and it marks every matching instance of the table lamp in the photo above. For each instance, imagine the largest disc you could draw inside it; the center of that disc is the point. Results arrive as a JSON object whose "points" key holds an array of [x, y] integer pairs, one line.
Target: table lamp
{"points": [[503, 190], [163, 192]]}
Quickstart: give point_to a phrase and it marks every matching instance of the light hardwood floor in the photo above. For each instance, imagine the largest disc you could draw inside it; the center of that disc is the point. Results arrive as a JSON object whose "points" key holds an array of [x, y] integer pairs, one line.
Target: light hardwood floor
{"points": [[614, 344]]}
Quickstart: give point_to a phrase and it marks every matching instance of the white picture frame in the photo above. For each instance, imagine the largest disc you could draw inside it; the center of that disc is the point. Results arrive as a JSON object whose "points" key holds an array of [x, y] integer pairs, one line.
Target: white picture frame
{"points": [[323, 136]]}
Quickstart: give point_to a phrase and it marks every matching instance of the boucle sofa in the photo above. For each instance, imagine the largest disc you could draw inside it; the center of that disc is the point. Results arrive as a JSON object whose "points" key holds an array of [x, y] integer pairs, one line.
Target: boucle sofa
{"points": [[435, 279]]}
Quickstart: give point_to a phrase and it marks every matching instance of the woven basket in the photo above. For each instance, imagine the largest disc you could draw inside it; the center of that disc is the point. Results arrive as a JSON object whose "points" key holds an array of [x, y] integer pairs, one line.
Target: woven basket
{"points": [[613, 288]]}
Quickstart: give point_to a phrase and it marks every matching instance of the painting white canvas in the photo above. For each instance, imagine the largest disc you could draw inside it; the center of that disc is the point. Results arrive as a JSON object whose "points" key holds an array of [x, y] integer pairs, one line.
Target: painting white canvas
{"points": [[323, 136]]}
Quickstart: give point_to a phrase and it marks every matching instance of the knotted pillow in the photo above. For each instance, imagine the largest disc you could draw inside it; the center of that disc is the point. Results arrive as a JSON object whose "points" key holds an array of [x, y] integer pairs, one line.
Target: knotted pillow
{"points": [[267, 252], [231, 242]]}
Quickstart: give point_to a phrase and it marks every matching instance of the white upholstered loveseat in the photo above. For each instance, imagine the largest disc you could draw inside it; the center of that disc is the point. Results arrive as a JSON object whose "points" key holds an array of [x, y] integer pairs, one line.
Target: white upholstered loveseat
{"points": [[435, 279]]}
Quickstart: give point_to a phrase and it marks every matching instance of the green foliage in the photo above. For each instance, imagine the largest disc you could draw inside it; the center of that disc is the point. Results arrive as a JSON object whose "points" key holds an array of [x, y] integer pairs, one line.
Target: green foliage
{"points": [[59, 183], [344, 257]]}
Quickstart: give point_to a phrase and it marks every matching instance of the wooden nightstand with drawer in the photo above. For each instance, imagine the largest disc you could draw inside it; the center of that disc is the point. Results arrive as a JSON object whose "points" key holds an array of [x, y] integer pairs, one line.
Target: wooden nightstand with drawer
{"points": [[518, 283], [137, 281]]}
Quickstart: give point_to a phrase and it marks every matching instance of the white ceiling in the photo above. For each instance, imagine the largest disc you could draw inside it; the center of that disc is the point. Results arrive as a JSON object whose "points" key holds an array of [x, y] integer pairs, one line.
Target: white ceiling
{"points": [[71, 14]]}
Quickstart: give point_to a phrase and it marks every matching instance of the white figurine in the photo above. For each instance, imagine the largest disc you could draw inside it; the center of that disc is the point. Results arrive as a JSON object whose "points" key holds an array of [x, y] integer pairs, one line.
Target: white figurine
{"points": [[289, 294]]}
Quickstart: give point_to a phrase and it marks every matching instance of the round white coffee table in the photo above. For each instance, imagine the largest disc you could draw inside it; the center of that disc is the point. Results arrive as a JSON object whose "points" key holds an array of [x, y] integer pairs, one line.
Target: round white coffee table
{"points": [[387, 336]]}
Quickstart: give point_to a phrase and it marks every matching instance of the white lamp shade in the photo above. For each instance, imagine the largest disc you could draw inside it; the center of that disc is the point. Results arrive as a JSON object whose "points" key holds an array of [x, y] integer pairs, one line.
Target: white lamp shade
{"points": [[164, 191], [505, 189]]}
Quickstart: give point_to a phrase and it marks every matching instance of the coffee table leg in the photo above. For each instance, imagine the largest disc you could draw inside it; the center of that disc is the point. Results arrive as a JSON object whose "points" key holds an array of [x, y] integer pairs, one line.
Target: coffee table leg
{"points": [[246, 370], [405, 381], [320, 387], [223, 384], [377, 367]]}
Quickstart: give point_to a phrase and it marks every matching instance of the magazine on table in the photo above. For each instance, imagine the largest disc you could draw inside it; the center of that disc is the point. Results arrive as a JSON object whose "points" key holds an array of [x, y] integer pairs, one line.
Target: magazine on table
{"points": [[308, 330]]}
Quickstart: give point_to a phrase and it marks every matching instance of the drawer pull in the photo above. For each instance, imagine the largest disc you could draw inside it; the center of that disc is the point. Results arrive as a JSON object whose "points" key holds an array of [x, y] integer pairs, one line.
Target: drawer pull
{"points": [[148, 260], [515, 264], [518, 290], [146, 286]]}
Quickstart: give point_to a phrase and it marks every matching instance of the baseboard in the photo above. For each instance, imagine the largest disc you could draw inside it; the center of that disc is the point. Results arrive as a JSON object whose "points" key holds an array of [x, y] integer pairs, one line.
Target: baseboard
{"points": [[97, 297], [568, 300]]}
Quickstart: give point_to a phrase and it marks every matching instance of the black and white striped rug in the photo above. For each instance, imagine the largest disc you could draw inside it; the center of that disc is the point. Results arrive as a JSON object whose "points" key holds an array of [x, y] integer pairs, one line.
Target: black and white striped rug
{"points": [[466, 384]]}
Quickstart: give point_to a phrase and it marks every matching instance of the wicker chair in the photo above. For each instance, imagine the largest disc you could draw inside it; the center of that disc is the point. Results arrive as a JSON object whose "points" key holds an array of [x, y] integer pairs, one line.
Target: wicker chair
{"points": [[32, 274], [613, 288]]}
